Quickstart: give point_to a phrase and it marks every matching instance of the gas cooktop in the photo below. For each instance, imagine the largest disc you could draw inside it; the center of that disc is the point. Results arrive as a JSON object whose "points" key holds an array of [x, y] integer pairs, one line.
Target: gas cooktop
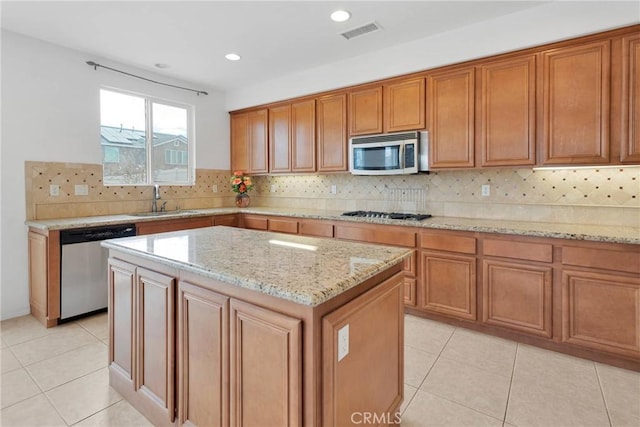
{"points": [[387, 215]]}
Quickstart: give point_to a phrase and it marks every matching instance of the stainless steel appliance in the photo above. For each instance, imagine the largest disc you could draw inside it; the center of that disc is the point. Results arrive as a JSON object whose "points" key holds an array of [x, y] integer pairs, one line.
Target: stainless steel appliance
{"points": [[389, 154], [83, 269], [387, 215]]}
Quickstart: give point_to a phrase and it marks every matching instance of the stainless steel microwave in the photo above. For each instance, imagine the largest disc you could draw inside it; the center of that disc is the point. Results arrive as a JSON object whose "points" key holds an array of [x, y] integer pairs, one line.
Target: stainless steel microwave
{"points": [[389, 154]]}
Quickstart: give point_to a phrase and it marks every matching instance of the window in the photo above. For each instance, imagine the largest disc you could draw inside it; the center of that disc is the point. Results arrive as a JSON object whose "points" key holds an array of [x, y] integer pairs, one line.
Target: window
{"points": [[145, 140]]}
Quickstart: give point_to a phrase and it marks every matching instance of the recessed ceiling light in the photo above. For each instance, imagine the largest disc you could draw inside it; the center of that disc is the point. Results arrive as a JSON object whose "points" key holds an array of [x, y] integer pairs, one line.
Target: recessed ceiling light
{"points": [[232, 56], [340, 15], [160, 65]]}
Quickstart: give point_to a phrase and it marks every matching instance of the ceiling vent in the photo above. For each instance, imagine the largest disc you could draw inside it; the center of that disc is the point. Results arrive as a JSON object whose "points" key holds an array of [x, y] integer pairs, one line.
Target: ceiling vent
{"points": [[361, 31]]}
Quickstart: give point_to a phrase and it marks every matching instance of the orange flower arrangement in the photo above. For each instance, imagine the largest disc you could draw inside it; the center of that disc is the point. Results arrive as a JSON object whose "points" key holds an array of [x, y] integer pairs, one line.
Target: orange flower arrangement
{"points": [[240, 183]]}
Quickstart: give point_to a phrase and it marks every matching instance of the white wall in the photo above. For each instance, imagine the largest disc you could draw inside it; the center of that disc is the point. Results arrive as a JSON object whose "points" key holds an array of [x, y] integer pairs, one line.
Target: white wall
{"points": [[532, 27], [50, 112]]}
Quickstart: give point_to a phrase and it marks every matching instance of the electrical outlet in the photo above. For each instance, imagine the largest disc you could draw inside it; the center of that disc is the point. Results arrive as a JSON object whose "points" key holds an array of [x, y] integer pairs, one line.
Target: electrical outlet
{"points": [[273, 188], [54, 190], [81, 190], [215, 188], [486, 190], [334, 189], [343, 342]]}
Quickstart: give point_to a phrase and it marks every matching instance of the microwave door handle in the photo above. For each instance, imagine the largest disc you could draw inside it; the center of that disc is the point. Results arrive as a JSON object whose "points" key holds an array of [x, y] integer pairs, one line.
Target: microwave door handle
{"points": [[401, 156]]}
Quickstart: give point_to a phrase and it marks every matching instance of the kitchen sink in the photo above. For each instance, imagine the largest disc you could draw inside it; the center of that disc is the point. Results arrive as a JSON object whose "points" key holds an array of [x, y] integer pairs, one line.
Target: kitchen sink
{"points": [[164, 213]]}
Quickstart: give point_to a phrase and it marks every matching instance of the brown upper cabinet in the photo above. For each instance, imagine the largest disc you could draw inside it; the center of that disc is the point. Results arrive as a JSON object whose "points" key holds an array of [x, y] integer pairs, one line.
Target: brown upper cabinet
{"points": [[365, 111], [630, 149], [575, 104], [507, 112], [450, 112], [249, 142], [393, 107], [292, 137], [331, 124]]}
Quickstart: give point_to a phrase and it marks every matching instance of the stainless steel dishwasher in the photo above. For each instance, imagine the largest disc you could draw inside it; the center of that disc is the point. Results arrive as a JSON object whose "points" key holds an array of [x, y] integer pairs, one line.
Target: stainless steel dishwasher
{"points": [[83, 272]]}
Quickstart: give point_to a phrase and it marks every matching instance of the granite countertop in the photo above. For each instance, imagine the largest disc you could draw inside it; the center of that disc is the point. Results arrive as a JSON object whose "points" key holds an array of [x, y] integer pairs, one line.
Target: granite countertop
{"points": [[305, 270], [598, 233]]}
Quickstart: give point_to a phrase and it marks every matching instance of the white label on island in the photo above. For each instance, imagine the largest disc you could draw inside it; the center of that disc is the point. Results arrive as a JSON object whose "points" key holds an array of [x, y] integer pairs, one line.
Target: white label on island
{"points": [[343, 342]]}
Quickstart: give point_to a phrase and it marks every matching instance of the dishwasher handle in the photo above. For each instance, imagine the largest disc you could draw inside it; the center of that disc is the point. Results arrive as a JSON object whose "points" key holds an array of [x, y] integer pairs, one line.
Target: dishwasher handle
{"points": [[82, 235]]}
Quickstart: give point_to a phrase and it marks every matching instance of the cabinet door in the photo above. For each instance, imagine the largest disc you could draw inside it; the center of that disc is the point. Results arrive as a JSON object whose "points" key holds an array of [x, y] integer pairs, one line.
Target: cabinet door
{"points": [[601, 311], [517, 296], [122, 322], [507, 112], [266, 367], [404, 105], [331, 120], [410, 291], [303, 136], [630, 150], [365, 111], [258, 158], [575, 104], [203, 356], [155, 342], [449, 284], [451, 118], [280, 138], [240, 142]]}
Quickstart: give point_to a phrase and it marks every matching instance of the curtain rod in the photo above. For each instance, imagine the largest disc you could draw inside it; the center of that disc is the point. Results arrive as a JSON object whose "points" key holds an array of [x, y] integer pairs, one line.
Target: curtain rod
{"points": [[96, 65]]}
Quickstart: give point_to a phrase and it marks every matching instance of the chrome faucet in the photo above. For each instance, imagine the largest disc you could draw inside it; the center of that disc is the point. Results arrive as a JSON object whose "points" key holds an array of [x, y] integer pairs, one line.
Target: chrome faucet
{"points": [[156, 197]]}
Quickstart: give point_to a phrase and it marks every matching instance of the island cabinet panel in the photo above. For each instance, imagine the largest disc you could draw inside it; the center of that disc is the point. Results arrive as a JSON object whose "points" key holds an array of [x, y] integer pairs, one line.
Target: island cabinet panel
{"points": [[630, 149], [447, 274], [373, 327], [518, 296], [450, 118], [331, 124], [508, 112], [265, 367], [404, 105], [601, 311], [365, 111], [203, 357], [155, 334], [575, 104], [152, 227], [122, 321]]}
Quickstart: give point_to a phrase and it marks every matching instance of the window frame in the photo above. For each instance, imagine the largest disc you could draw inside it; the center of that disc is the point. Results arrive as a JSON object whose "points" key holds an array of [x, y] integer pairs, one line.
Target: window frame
{"points": [[149, 100]]}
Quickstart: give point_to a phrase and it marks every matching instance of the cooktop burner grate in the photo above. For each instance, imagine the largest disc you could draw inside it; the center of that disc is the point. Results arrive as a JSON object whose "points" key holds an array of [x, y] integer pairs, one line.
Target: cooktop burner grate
{"points": [[387, 215]]}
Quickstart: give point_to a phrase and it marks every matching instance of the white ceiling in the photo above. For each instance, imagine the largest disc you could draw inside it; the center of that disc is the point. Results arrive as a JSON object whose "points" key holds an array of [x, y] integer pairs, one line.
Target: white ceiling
{"points": [[274, 38]]}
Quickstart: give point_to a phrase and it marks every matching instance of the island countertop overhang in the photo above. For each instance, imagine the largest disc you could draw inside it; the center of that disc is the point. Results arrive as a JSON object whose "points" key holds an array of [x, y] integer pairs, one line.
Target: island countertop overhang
{"points": [[304, 270]]}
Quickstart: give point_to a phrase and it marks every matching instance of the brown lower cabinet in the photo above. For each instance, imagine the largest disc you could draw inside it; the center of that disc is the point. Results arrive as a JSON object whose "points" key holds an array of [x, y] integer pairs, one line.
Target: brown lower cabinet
{"points": [[573, 296], [243, 358]]}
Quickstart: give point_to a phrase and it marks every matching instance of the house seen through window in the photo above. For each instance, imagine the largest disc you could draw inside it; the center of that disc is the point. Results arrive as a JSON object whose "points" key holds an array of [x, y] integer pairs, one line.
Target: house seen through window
{"points": [[145, 140]]}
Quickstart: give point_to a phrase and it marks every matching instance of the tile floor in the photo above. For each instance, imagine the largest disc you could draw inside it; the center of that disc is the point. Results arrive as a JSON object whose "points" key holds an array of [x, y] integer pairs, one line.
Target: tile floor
{"points": [[453, 377]]}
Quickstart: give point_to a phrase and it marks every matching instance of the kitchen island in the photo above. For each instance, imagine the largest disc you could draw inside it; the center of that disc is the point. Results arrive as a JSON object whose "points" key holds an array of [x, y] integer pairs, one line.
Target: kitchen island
{"points": [[225, 326]]}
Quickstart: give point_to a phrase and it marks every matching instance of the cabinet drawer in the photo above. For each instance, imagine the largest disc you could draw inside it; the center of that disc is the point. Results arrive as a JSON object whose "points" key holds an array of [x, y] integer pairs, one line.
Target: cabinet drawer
{"points": [[607, 259], [316, 228], [448, 242], [152, 227], [283, 226], [255, 222], [542, 252], [376, 235], [228, 220]]}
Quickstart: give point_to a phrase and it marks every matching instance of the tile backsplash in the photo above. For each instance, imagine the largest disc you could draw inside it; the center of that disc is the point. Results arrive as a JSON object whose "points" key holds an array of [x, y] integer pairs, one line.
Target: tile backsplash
{"points": [[606, 196], [112, 200], [587, 196]]}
